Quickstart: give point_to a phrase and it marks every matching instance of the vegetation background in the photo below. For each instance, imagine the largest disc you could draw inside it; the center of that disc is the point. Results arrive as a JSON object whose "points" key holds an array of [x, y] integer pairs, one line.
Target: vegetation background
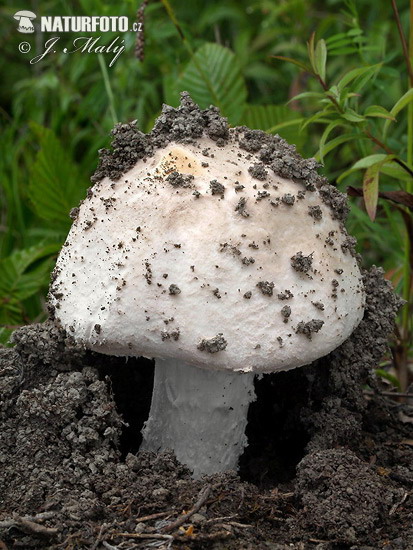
{"points": [[347, 68]]}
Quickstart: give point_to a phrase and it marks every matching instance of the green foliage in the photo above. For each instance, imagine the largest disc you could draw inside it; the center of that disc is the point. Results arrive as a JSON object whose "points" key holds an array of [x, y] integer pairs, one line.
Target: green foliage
{"points": [[352, 119], [22, 275], [55, 185], [275, 119], [213, 77]]}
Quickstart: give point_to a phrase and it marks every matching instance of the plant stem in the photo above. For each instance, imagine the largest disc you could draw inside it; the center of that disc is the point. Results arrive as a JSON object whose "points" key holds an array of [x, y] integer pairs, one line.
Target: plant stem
{"points": [[407, 244], [406, 52], [108, 88]]}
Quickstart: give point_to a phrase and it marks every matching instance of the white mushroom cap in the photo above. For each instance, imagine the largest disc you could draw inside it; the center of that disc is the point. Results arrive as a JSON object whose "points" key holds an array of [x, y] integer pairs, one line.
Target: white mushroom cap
{"points": [[24, 13], [201, 253]]}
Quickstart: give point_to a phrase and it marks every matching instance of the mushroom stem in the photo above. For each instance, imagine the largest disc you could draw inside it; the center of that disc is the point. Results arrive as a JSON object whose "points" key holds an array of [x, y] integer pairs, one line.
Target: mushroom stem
{"points": [[200, 414]]}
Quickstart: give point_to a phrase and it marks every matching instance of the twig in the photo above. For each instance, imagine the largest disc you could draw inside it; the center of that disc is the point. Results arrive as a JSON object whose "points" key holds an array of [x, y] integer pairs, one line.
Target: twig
{"points": [[36, 519], [395, 506], [99, 537], [31, 527], [220, 519], [109, 546], [203, 495], [153, 516], [389, 393], [241, 525], [145, 536], [224, 534]]}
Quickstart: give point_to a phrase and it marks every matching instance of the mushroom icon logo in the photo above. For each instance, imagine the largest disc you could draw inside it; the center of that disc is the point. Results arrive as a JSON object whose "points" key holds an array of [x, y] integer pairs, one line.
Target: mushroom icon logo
{"points": [[25, 21]]}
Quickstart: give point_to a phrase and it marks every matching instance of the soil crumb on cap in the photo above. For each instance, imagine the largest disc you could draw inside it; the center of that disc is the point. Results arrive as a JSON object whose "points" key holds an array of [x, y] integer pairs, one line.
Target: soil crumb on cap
{"points": [[315, 212], [240, 207], [174, 289], [286, 295], [302, 263], [213, 345], [266, 287], [258, 171], [179, 180], [183, 124], [188, 122], [308, 328], [216, 188], [286, 312]]}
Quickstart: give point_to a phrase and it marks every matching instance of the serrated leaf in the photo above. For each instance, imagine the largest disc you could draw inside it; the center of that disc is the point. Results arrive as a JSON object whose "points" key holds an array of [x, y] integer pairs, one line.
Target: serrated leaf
{"points": [[275, 119], [23, 274], [320, 58], [55, 185], [371, 189], [398, 106], [5, 334], [213, 77]]}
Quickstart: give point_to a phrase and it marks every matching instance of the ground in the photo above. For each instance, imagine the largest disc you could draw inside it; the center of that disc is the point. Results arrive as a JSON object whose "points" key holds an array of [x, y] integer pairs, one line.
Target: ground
{"points": [[329, 464]]}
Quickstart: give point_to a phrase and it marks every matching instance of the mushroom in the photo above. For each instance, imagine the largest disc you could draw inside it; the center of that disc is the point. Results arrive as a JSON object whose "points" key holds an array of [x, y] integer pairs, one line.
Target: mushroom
{"points": [[25, 24], [187, 251]]}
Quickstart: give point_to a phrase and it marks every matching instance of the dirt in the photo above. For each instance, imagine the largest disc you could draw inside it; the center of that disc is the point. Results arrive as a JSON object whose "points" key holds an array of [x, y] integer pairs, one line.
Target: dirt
{"points": [[329, 464]]}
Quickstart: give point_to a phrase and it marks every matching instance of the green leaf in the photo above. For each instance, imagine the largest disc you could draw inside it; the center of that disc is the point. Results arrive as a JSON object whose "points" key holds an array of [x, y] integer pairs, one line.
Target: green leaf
{"points": [[378, 111], [395, 171], [326, 133], [336, 37], [5, 334], [304, 95], [371, 189], [311, 52], [343, 51], [389, 377], [357, 73], [398, 106], [213, 77], [352, 116], [23, 274], [294, 61], [368, 161], [54, 187], [275, 119], [340, 140], [317, 117], [388, 167], [320, 59]]}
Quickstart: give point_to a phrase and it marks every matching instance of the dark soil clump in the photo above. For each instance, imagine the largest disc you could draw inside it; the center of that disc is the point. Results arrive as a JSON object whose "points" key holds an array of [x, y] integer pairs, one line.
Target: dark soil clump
{"points": [[328, 466]]}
